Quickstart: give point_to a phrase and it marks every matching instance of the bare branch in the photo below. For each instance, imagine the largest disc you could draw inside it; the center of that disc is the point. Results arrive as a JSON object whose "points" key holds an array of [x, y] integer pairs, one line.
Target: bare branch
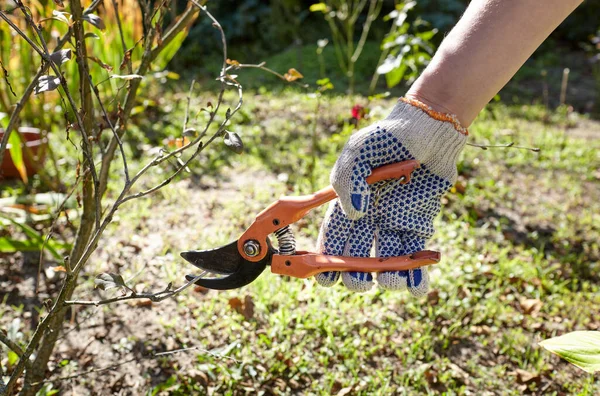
{"points": [[83, 70], [5, 72], [20, 105], [123, 44], [262, 66], [155, 297], [150, 53], [507, 145], [114, 131], [225, 80], [49, 235], [187, 107], [22, 34], [13, 346]]}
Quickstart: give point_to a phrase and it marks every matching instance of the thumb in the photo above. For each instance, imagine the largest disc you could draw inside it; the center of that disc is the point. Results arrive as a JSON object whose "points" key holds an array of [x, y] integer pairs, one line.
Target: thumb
{"points": [[348, 179]]}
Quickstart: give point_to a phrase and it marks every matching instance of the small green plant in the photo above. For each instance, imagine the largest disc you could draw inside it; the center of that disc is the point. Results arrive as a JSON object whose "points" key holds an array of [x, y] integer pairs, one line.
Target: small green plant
{"points": [[342, 17], [405, 49]]}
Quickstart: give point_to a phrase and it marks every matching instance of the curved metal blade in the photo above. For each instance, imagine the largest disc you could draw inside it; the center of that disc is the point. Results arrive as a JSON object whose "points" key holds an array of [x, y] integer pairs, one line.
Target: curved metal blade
{"points": [[227, 261], [222, 260]]}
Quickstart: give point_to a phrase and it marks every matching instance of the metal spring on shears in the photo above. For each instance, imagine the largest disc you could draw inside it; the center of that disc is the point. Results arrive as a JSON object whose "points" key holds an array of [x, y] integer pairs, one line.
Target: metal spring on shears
{"points": [[286, 240]]}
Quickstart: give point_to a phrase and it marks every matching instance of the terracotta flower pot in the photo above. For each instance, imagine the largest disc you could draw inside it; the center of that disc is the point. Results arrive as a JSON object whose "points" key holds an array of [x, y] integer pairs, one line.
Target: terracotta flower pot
{"points": [[36, 143]]}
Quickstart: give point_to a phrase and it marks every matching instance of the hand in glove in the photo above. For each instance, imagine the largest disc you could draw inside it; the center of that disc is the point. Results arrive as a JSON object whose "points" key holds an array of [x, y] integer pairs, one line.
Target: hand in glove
{"points": [[397, 217]]}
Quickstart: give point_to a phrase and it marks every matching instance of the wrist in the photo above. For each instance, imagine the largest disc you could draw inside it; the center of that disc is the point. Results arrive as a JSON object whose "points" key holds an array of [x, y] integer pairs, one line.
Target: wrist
{"points": [[433, 138], [437, 113], [439, 99]]}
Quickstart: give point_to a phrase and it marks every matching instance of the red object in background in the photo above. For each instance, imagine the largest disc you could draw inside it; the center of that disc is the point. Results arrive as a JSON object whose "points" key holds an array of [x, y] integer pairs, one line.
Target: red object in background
{"points": [[358, 112], [36, 143]]}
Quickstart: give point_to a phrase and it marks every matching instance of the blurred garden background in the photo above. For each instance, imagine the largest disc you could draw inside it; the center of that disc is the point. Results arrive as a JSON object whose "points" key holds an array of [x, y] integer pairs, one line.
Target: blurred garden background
{"points": [[519, 233]]}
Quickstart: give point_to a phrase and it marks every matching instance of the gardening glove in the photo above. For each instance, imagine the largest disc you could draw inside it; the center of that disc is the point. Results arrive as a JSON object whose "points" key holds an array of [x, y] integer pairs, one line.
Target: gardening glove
{"points": [[397, 217]]}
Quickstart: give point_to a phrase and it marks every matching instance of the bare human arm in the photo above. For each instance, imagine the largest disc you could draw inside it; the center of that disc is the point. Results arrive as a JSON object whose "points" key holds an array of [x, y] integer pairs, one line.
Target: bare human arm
{"points": [[484, 50]]}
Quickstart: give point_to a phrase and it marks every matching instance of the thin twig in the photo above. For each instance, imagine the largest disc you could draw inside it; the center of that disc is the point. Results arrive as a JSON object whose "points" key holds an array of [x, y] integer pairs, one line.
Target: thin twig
{"points": [[22, 34], [507, 145], [50, 232], [187, 107], [85, 134], [149, 55], [114, 131], [10, 88], [262, 66], [123, 44], [225, 80], [155, 297], [13, 346]]}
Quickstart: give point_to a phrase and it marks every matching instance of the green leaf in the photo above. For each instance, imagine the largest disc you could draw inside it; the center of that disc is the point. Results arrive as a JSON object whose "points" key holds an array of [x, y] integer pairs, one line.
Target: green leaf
{"points": [[109, 280], [169, 51], [37, 238], [9, 245], [581, 348], [34, 243], [16, 154], [12, 358], [396, 75], [318, 7]]}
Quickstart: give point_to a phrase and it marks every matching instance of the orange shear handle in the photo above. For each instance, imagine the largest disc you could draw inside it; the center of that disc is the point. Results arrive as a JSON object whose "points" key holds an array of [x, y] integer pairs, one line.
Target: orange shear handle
{"points": [[288, 210], [305, 265]]}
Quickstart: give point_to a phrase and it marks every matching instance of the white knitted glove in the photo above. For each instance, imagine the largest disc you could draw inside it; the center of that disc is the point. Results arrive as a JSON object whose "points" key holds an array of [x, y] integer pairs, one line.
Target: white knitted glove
{"points": [[398, 217]]}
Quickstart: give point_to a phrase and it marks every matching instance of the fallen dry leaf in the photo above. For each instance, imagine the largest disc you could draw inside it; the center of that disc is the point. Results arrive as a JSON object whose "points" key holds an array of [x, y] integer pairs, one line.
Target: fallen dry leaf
{"points": [[235, 303], [59, 268], [531, 306], [248, 310], [245, 308], [141, 303], [525, 377], [345, 391], [433, 298]]}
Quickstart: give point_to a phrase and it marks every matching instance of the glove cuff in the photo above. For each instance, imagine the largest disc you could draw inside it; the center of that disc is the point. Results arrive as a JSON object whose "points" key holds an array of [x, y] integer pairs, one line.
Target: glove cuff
{"points": [[435, 139]]}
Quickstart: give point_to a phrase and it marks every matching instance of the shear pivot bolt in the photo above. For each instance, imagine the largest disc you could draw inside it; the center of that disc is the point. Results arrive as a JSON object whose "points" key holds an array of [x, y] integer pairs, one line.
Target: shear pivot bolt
{"points": [[252, 248]]}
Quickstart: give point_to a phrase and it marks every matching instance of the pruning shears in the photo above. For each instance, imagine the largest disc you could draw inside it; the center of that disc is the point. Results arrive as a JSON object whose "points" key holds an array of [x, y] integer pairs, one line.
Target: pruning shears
{"points": [[241, 262]]}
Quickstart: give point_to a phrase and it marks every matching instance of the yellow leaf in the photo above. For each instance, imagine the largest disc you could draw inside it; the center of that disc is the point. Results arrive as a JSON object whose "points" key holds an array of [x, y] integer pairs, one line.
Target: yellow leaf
{"points": [[59, 268], [178, 142], [318, 7], [293, 75], [232, 62]]}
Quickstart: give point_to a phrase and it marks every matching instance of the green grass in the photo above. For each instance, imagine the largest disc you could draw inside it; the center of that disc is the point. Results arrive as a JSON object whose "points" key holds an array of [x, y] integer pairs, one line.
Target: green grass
{"points": [[525, 227], [519, 226]]}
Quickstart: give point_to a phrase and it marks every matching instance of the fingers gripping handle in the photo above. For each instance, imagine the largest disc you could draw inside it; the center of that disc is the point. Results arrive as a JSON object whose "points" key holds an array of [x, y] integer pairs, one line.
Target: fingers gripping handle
{"points": [[394, 171], [288, 210]]}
